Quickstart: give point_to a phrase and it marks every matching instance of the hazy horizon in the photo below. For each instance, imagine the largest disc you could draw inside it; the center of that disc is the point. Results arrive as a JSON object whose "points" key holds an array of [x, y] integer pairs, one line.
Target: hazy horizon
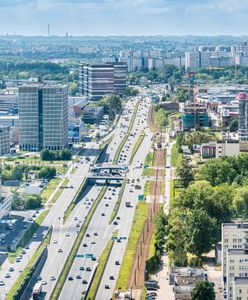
{"points": [[124, 17]]}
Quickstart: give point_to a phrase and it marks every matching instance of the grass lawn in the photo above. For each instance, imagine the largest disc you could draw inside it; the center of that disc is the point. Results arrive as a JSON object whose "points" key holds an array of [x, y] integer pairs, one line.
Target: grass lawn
{"points": [[140, 216], [47, 192], [102, 262], [148, 172], [176, 157], [148, 187], [149, 160]]}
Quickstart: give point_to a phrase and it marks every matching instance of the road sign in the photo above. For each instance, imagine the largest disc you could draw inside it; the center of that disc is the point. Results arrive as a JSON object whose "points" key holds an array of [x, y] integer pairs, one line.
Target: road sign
{"points": [[79, 255], [88, 255], [123, 238], [114, 238], [141, 198]]}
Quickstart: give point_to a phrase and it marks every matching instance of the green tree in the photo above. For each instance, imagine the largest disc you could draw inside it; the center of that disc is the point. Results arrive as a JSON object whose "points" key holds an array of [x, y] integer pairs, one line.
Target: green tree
{"points": [[17, 202], [200, 232], [234, 124], [203, 290], [185, 172], [65, 154], [45, 154], [47, 173], [32, 201]]}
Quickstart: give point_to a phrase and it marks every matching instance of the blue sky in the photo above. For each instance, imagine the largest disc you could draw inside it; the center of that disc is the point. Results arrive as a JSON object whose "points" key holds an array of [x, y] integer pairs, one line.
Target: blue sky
{"points": [[125, 17]]}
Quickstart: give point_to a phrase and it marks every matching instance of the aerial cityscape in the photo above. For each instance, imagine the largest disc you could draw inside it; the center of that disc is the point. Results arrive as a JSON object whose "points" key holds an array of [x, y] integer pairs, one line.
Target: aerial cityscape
{"points": [[123, 150]]}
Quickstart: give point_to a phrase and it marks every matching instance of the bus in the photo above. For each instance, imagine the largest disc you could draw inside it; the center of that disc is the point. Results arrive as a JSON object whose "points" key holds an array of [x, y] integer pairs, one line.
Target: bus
{"points": [[37, 290]]}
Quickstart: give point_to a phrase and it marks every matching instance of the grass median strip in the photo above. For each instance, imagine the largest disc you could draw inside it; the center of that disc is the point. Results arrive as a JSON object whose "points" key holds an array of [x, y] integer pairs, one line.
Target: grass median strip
{"points": [[137, 145], [140, 216], [28, 269], [76, 199], [60, 190], [117, 154], [118, 203], [68, 264], [102, 263]]}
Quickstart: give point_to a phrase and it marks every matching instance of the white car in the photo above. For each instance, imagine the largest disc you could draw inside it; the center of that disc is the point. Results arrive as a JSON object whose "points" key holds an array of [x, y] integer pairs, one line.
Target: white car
{"points": [[67, 234], [55, 241], [2, 283]]}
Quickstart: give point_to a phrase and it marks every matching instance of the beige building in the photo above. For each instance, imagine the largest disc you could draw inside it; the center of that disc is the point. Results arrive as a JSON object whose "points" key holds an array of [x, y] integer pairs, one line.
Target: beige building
{"points": [[240, 288], [237, 266], [233, 237], [220, 149]]}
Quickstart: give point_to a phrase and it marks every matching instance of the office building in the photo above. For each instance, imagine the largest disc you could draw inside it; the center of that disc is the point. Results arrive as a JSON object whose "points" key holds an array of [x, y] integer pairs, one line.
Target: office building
{"points": [[4, 140], [220, 149], [195, 116], [243, 116], [240, 288], [43, 117], [98, 80]]}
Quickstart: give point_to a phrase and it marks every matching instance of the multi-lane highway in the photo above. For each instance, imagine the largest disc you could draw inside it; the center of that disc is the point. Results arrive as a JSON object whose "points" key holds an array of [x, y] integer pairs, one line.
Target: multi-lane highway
{"points": [[99, 230]]}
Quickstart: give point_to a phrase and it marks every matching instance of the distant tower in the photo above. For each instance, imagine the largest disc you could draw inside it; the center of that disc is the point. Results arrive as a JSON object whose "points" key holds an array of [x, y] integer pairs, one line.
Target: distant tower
{"points": [[48, 30]]}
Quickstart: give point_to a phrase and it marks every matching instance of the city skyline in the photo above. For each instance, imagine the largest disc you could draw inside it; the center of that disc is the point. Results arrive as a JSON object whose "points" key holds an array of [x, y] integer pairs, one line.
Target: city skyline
{"points": [[124, 17]]}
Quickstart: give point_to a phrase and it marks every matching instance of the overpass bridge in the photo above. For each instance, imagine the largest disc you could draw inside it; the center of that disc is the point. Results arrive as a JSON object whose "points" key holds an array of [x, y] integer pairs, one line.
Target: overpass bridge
{"points": [[107, 179], [110, 168]]}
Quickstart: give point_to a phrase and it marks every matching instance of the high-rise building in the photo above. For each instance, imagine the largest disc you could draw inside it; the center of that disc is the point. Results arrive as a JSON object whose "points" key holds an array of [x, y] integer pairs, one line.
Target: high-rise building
{"points": [[97, 80], [243, 116], [192, 60], [4, 140], [43, 113]]}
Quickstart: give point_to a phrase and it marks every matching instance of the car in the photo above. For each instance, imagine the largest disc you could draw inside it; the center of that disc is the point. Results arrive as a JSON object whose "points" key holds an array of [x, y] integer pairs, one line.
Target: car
{"points": [[43, 282], [55, 241], [95, 234], [75, 218], [18, 260], [117, 263], [107, 287], [106, 204], [60, 251], [35, 236], [84, 245], [88, 269], [115, 223], [70, 278], [24, 251], [93, 243], [111, 278], [103, 214], [84, 282], [79, 277], [93, 258], [7, 275], [109, 198], [27, 247], [87, 235], [81, 268], [11, 269], [77, 225], [52, 278], [67, 234], [2, 283], [39, 278], [118, 218]]}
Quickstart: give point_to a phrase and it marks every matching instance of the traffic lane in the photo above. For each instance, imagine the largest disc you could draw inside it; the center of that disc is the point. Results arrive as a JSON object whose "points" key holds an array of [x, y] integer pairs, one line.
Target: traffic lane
{"points": [[104, 232], [64, 243]]}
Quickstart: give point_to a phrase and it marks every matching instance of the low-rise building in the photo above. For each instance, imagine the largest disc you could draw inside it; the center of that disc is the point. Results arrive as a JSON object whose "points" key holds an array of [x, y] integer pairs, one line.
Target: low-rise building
{"points": [[220, 149], [92, 114], [5, 204]]}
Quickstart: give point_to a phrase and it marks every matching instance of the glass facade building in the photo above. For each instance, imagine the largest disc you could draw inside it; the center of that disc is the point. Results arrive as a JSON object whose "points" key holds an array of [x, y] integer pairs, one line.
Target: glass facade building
{"points": [[43, 117]]}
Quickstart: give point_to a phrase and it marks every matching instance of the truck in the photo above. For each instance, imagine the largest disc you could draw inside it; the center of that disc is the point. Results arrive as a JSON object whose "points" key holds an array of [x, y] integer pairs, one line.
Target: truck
{"points": [[128, 204], [37, 290]]}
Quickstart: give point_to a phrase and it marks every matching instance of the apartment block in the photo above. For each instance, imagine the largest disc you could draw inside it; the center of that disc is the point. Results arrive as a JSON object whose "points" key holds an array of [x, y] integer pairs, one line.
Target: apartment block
{"points": [[240, 288], [243, 116], [195, 116], [237, 266], [43, 117], [233, 237]]}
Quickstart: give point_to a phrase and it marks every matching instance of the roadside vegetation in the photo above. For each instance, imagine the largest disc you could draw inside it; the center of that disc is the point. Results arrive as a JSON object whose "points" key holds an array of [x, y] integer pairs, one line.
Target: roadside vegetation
{"points": [[140, 216], [137, 145]]}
